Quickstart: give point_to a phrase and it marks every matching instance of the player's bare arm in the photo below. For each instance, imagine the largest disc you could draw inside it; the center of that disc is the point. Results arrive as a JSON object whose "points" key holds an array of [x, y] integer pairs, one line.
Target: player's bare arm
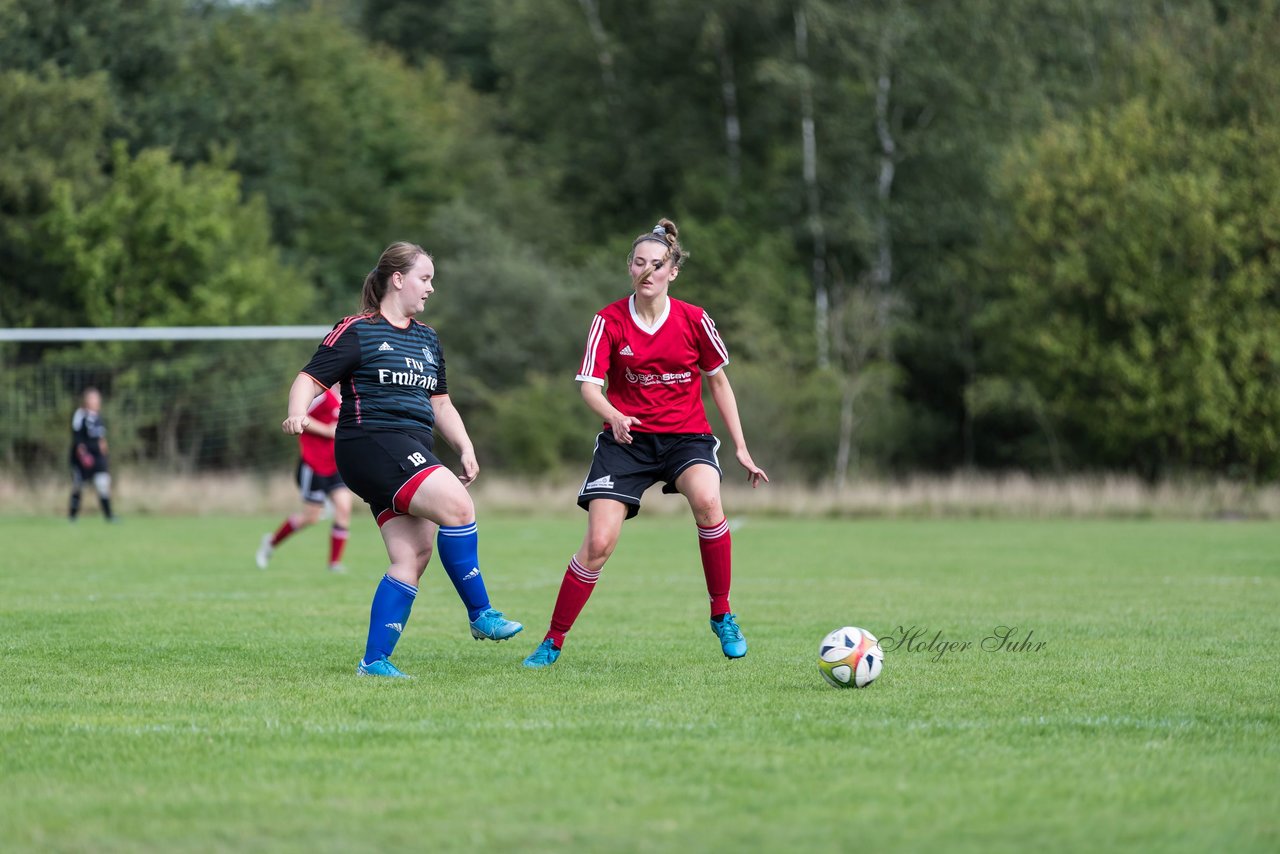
{"points": [[449, 425], [328, 431], [600, 405], [727, 403], [319, 428], [301, 393]]}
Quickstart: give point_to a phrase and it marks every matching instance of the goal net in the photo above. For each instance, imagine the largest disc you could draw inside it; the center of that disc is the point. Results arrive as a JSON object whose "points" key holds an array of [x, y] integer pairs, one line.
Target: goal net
{"points": [[175, 400]]}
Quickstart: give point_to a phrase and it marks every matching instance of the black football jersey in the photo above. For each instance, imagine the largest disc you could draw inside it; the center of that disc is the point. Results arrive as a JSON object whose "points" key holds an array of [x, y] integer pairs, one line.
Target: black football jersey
{"points": [[388, 374]]}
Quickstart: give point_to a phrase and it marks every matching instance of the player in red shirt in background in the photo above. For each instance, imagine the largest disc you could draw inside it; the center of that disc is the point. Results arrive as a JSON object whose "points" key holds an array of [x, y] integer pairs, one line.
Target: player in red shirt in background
{"points": [[318, 479], [653, 352]]}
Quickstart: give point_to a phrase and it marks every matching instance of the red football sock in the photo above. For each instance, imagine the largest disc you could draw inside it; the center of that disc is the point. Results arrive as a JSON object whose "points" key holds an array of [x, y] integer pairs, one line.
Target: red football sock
{"points": [[575, 590], [337, 542], [717, 563], [290, 525]]}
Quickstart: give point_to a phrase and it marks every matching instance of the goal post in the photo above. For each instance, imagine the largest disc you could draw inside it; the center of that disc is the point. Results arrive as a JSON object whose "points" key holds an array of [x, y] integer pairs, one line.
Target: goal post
{"points": [[84, 334]]}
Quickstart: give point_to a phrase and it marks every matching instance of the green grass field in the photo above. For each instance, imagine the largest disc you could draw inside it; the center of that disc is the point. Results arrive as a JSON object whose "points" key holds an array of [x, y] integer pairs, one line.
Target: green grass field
{"points": [[160, 693]]}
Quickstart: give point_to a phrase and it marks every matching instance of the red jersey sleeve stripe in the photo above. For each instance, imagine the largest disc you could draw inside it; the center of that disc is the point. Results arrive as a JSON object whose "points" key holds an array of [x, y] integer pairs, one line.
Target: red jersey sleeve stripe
{"points": [[342, 327], [709, 325], [593, 343]]}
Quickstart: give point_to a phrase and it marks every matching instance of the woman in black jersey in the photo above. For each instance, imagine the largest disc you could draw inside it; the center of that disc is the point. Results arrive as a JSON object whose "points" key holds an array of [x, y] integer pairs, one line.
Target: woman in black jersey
{"points": [[395, 399], [89, 454]]}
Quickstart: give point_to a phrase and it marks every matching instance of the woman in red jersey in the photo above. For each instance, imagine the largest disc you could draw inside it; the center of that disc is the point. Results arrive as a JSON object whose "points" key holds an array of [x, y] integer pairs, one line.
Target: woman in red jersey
{"points": [[318, 481], [653, 351]]}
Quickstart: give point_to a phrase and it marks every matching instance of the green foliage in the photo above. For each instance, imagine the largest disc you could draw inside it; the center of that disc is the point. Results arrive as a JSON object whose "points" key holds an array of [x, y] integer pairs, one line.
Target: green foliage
{"points": [[1120, 152], [350, 148], [1143, 301], [53, 130], [1016, 423], [627, 121], [456, 32], [134, 42], [539, 427], [790, 420], [747, 279], [165, 245]]}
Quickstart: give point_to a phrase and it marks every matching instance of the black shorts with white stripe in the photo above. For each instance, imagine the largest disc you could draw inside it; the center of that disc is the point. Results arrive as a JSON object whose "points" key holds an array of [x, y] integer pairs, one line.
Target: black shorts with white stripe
{"points": [[315, 487], [623, 472]]}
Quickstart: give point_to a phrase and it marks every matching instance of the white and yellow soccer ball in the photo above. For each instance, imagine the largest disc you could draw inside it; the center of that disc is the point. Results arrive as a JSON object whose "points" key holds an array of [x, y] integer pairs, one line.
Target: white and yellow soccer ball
{"points": [[850, 658]]}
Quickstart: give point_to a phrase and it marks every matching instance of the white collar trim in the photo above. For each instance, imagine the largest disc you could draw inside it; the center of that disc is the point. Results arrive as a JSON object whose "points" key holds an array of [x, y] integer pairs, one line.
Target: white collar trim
{"points": [[635, 318]]}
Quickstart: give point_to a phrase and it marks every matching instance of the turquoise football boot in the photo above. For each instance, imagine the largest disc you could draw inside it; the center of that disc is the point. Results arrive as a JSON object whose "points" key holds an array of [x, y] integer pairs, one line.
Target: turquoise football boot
{"points": [[380, 667], [491, 625], [544, 656], [732, 643]]}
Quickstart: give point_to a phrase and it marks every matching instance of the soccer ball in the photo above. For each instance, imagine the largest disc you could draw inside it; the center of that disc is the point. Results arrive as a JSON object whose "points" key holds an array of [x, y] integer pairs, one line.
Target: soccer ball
{"points": [[850, 658]]}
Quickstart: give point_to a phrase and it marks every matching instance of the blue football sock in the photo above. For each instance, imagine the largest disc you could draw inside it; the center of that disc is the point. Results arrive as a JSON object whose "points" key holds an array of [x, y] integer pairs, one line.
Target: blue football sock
{"points": [[459, 552], [392, 602]]}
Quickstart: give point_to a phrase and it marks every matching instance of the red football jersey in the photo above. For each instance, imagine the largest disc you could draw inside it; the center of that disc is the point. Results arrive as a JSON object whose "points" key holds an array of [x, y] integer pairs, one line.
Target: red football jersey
{"points": [[655, 373], [317, 451]]}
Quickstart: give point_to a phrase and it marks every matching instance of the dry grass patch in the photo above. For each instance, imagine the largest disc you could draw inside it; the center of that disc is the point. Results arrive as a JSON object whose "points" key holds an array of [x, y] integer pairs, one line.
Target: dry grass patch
{"points": [[951, 496]]}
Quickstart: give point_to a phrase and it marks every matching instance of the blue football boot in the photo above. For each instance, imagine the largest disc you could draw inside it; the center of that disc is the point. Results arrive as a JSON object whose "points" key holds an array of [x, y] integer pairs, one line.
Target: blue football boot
{"points": [[380, 667], [491, 625], [544, 656], [732, 643]]}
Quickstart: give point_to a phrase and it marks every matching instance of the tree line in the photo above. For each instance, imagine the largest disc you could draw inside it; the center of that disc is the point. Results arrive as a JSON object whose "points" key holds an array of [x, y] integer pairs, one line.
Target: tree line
{"points": [[1018, 234]]}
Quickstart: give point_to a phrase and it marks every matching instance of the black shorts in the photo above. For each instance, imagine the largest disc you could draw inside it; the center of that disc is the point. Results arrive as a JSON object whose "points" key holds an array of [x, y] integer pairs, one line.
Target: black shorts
{"points": [[83, 474], [624, 472], [385, 467], [314, 487]]}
